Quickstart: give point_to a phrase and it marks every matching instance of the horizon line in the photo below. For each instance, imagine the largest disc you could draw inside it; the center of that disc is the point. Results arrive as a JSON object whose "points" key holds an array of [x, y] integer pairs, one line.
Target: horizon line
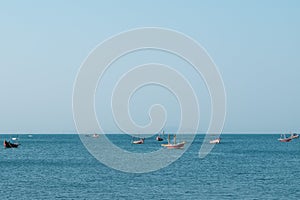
{"points": [[119, 132]]}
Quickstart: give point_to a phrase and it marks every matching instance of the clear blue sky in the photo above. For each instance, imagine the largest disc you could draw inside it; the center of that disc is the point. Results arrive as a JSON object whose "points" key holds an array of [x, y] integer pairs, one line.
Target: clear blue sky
{"points": [[255, 45]]}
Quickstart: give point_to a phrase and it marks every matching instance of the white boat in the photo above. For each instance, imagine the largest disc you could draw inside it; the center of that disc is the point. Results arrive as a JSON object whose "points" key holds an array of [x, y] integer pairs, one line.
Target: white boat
{"points": [[140, 141], [215, 141], [174, 145], [15, 138], [294, 136], [95, 135]]}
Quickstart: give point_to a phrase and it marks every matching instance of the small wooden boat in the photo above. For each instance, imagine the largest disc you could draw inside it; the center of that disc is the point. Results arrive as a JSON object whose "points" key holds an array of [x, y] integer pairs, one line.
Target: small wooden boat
{"points": [[158, 138], [8, 144], [294, 136], [283, 138], [95, 135], [174, 145], [140, 141], [215, 141]]}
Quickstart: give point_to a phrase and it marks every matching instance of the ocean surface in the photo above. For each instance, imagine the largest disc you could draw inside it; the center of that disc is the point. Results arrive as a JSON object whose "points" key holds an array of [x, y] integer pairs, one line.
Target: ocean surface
{"points": [[240, 167]]}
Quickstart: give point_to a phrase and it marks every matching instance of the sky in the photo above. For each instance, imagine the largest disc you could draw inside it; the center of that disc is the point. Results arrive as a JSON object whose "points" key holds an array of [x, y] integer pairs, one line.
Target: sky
{"points": [[254, 44]]}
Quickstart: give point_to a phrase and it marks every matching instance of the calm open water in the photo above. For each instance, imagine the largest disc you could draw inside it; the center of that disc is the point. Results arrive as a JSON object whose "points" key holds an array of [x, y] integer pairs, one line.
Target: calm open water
{"points": [[241, 167]]}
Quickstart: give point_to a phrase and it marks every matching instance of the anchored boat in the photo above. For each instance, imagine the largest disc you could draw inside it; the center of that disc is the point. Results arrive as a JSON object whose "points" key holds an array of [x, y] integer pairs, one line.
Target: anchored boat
{"points": [[8, 144], [158, 138], [215, 141], [283, 138], [174, 145], [140, 141], [294, 136]]}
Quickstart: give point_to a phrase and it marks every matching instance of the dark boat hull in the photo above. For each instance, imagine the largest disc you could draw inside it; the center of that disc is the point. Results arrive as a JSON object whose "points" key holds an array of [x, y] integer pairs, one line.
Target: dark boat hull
{"points": [[285, 140], [8, 144]]}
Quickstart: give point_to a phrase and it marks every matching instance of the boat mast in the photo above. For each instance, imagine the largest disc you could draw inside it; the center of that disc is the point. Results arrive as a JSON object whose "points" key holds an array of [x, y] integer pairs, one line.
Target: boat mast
{"points": [[174, 138]]}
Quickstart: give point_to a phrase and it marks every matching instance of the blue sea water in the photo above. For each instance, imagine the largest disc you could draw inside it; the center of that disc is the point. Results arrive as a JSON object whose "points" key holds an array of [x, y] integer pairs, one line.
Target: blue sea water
{"points": [[241, 167]]}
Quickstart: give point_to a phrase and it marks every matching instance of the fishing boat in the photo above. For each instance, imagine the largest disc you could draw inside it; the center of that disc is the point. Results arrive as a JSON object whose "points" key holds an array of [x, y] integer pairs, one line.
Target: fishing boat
{"points": [[174, 145], [140, 141], [283, 138], [158, 138], [8, 144], [95, 135], [215, 141], [294, 136]]}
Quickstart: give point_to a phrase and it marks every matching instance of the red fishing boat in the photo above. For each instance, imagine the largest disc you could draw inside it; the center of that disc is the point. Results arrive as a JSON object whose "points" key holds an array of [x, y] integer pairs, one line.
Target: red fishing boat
{"points": [[283, 138]]}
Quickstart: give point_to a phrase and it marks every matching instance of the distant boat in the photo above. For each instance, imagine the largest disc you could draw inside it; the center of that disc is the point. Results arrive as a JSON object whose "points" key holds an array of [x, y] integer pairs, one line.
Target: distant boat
{"points": [[174, 145], [283, 138], [95, 135], [215, 141], [294, 136], [140, 141], [15, 138], [8, 144], [158, 138]]}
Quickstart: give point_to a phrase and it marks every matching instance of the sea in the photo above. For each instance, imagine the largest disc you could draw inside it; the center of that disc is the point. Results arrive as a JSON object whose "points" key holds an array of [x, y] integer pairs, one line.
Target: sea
{"points": [[240, 167]]}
